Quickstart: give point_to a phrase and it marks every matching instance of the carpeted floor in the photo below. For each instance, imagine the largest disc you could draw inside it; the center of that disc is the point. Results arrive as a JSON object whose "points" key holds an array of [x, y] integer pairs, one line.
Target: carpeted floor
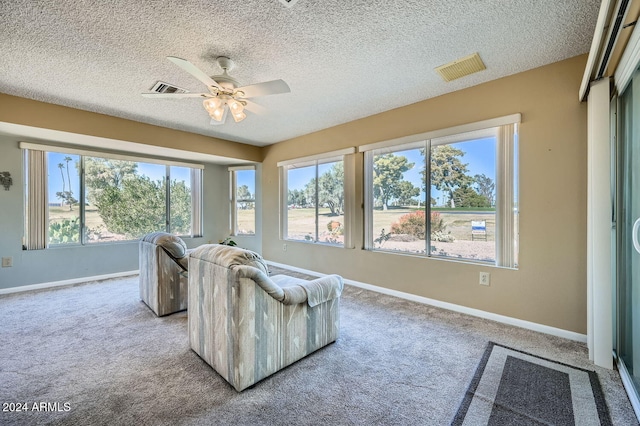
{"points": [[514, 387], [94, 354]]}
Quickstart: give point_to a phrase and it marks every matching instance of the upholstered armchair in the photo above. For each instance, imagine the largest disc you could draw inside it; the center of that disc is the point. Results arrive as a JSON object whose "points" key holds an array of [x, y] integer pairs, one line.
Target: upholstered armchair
{"points": [[247, 325], [163, 277]]}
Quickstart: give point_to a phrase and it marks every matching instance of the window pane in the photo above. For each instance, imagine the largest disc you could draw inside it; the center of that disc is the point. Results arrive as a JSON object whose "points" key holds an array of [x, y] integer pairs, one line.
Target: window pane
{"points": [[245, 202], [331, 202], [301, 204], [63, 197], [180, 200], [399, 203], [125, 199], [463, 196]]}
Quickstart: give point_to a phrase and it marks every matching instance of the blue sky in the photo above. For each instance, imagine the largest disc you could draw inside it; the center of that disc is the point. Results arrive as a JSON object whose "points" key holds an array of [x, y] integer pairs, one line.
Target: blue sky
{"points": [[154, 171], [247, 177], [479, 155], [55, 179]]}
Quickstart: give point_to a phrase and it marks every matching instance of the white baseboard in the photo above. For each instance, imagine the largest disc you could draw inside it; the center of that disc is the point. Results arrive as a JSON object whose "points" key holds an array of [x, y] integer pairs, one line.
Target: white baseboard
{"points": [[541, 328], [65, 282]]}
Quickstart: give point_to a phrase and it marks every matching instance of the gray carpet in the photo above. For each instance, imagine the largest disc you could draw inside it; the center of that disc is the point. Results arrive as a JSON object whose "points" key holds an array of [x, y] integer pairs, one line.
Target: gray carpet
{"points": [[514, 387], [94, 354]]}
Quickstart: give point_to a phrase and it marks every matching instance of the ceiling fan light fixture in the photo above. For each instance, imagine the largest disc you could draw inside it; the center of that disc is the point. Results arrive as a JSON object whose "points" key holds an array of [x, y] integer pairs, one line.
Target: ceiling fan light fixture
{"points": [[235, 106], [218, 113], [211, 104], [239, 116]]}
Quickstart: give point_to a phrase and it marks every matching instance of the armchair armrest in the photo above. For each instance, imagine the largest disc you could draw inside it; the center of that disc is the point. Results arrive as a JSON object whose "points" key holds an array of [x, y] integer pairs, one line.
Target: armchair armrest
{"points": [[313, 292], [271, 288], [323, 289]]}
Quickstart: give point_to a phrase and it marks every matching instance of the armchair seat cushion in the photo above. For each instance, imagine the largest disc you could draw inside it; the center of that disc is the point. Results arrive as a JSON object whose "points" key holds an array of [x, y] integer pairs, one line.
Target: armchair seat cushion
{"points": [[292, 289]]}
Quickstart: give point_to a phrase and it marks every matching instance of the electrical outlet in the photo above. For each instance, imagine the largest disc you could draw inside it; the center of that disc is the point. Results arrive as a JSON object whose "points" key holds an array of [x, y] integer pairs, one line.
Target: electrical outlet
{"points": [[485, 278], [7, 262], [284, 247]]}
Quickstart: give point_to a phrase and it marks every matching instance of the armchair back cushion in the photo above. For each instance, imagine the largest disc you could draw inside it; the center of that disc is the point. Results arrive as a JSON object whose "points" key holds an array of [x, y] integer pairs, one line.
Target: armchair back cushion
{"points": [[163, 282]]}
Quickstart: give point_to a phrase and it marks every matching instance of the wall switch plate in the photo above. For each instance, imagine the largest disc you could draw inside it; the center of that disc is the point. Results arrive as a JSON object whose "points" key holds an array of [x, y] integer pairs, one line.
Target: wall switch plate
{"points": [[284, 247], [485, 278], [7, 262]]}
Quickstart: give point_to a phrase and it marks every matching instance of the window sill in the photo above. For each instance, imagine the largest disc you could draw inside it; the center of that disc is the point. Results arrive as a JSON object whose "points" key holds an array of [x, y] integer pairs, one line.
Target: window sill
{"points": [[490, 264], [78, 245], [316, 243]]}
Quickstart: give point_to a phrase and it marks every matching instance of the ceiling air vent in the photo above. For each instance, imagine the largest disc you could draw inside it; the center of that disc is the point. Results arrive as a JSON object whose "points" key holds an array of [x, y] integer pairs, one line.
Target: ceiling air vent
{"points": [[461, 67], [288, 3], [162, 87]]}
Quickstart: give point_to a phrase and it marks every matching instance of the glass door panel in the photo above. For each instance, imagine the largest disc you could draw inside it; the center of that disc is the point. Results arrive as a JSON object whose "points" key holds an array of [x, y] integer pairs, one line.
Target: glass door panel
{"points": [[628, 246]]}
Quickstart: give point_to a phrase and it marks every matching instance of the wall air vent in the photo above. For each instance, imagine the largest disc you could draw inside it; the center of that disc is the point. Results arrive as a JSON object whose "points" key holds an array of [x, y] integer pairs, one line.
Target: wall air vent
{"points": [[162, 87], [461, 67], [288, 3]]}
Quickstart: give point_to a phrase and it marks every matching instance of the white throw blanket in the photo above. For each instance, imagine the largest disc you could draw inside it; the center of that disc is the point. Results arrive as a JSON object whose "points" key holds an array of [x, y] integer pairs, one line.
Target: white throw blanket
{"points": [[292, 291], [323, 289]]}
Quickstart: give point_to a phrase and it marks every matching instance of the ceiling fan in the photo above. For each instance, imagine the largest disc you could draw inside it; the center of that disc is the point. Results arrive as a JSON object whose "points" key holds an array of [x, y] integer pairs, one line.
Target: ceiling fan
{"points": [[224, 94]]}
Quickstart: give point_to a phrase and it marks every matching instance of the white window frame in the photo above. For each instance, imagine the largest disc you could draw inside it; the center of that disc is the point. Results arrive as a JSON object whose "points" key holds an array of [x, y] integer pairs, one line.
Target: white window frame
{"points": [[233, 201], [505, 130], [37, 236], [348, 158]]}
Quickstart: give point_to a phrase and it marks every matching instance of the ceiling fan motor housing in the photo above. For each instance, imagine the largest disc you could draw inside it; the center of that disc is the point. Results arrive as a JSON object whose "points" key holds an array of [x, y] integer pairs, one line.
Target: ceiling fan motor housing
{"points": [[225, 80]]}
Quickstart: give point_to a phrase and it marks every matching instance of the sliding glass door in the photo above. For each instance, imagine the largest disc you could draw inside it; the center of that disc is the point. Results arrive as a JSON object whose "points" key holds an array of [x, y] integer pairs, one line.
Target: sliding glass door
{"points": [[628, 235]]}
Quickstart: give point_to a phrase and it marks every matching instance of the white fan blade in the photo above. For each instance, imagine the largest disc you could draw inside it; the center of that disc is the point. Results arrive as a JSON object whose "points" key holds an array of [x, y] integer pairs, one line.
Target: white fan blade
{"points": [[273, 87], [254, 107], [194, 71], [176, 95]]}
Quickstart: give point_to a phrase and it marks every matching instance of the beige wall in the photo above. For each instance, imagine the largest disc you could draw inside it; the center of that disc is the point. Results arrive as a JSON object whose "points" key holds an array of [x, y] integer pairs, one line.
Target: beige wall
{"points": [[27, 112], [550, 285]]}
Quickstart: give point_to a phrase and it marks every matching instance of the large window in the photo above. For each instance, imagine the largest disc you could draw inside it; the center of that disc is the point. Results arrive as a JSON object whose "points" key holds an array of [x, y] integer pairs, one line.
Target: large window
{"points": [[449, 194], [243, 200], [313, 192], [92, 199]]}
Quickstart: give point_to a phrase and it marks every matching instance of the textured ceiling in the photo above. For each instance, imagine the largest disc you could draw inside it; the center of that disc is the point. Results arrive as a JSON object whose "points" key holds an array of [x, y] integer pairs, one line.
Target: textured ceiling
{"points": [[343, 60]]}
